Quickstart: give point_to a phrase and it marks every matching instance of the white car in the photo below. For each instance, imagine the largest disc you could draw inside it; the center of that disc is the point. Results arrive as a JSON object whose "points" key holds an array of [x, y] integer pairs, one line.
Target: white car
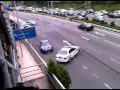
{"points": [[25, 26], [97, 13], [104, 12], [30, 22], [99, 17], [67, 53]]}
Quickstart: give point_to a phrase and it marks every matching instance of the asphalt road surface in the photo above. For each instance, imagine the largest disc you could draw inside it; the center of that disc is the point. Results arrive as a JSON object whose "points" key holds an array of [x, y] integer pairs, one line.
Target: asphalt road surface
{"points": [[96, 66]]}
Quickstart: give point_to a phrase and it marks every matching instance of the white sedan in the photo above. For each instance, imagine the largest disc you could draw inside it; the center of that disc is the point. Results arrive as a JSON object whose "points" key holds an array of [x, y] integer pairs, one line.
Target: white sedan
{"points": [[67, 53]]}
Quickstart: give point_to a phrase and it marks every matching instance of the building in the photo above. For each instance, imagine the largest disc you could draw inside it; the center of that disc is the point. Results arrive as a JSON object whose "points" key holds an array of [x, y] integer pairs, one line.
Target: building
{"points": [[9, 70]]}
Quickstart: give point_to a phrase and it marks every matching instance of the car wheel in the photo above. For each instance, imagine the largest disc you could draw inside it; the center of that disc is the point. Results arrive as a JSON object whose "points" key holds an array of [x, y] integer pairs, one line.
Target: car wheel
{"points": [[70, 59]]}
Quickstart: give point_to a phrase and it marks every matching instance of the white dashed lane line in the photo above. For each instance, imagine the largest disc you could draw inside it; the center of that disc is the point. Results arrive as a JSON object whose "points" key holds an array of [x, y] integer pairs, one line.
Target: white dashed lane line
{"points": [[108, 32], [85, 38], [107, 85], [92, 35], [99, 33], [95, 75], [84, 67], [115, 61], [112, 43]]}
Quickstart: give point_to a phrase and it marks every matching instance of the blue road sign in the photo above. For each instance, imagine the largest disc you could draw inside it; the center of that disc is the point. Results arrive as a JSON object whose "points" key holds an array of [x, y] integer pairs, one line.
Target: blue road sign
{"points": [[22, 34]]}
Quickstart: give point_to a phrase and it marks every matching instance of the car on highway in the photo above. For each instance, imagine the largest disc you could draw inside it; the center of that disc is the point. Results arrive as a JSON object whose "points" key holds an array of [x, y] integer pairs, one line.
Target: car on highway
{"points": [[90, 11], [113, 15], [45, 46], [99, 18], [86, 26], [66, 53], [79, 17], [104, 12], [98, 13], [31, 22]]}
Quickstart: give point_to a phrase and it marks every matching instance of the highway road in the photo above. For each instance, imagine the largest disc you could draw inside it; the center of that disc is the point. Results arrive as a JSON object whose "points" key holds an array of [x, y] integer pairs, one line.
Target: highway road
{"points": [[97, 66]]}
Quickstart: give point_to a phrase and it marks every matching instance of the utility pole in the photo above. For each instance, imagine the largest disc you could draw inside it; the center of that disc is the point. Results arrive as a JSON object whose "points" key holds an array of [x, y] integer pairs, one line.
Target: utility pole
{"points": [[16, 14], [48, 4], [89, 6], [51, 4]]}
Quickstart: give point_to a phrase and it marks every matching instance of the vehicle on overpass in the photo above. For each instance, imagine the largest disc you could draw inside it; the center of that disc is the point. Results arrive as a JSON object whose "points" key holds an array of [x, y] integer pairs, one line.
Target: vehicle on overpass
{"points": [[67, 53]]}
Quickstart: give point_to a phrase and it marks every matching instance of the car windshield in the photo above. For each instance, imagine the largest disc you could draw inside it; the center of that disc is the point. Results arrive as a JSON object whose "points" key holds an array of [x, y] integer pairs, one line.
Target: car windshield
{"points": [[62, 52], [45, 43]]}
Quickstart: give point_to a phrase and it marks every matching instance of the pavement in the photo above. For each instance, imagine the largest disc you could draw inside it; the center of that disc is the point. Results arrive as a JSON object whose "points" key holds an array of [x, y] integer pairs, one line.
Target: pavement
{"points": [[98, 62], [31, 73]]}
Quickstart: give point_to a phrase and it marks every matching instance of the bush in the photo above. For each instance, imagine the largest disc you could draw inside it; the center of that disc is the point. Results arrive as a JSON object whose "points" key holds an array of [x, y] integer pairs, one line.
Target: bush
{"points": [[112, 23], [51, 66], [103, 22], [94, 20], [86, 19], [61, 73]]}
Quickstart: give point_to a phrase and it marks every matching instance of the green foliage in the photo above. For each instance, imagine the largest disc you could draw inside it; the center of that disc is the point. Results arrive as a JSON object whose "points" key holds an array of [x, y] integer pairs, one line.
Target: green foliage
{"points": [[7, 2], [103, 22], [61, 73], [112, 23], [51, 66]]}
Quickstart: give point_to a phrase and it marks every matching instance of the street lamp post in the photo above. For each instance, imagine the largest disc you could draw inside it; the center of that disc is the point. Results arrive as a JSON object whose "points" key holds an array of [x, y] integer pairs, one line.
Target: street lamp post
{"points": [[51, 4], [48, 4]]}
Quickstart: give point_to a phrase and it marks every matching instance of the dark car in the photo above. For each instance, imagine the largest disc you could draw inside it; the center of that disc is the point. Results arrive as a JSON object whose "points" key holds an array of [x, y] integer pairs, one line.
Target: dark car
{"points": [[86, 26], [45, 46], [112, 15]]}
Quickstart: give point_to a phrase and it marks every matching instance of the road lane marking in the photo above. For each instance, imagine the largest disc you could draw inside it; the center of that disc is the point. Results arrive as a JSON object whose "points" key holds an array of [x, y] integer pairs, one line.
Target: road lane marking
{"points": [[67, 42], [84, 67], [99, 33], [115, 61], [85, 38], [92, 35], [95, 75], [95, 50], [112, 43], [107, 32], [107, 85]]}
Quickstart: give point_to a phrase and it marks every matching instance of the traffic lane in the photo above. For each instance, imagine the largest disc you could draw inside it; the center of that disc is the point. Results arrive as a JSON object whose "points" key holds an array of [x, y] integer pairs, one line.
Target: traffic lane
{"points": [[89, 76], [52, 37], [112, 36], [42, 35], [90, 16], [85, 76], [95, 50], [68, 25], [102, 51]]}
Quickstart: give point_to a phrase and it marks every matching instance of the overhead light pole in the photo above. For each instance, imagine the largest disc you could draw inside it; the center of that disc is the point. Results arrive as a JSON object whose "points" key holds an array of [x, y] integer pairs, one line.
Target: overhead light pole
{"points": [[51, 4], [48, 4]]}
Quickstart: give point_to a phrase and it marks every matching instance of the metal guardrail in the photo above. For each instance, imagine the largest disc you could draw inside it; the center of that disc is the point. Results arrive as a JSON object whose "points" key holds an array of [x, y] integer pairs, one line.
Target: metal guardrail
{"points": [[55, 81]]}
